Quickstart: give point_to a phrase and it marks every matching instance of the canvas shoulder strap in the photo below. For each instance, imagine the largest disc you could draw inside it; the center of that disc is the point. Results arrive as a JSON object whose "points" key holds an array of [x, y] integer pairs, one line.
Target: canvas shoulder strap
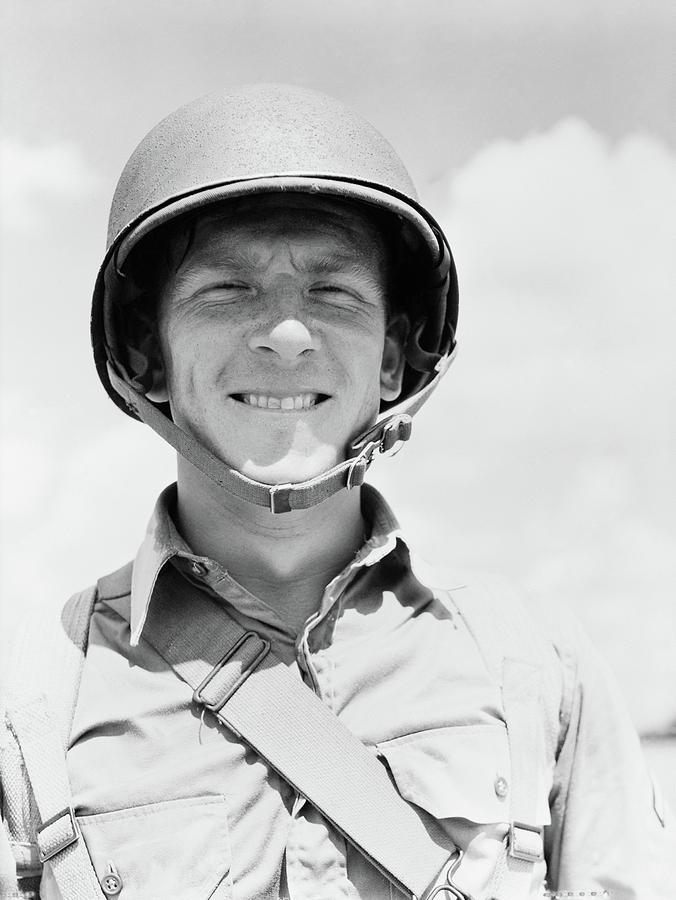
{"points": [[524, 662], [235, 675], [506, 628], [40, 686]]}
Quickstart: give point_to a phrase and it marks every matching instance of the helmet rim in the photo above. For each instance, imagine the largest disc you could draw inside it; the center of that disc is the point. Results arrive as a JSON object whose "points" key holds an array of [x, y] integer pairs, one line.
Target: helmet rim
{"points": [[380, 196]]}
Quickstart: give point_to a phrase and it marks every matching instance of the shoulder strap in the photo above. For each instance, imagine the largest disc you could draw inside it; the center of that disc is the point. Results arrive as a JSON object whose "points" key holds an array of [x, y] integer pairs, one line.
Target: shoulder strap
{"points": [[505, 628], [524, 662], [235, 675], [41, 690]]}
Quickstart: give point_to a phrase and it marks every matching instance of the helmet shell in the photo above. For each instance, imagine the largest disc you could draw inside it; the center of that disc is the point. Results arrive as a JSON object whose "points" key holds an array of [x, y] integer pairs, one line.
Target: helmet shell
{"points": [[272, 138]]}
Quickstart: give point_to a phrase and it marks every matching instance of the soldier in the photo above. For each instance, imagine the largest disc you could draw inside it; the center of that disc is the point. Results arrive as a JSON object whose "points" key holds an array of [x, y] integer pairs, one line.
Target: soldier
{"points": [[276, 699]]}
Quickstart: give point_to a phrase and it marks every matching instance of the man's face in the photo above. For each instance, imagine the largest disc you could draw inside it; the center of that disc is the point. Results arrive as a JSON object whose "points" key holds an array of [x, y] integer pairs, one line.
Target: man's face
{"points": [[275, 337]]}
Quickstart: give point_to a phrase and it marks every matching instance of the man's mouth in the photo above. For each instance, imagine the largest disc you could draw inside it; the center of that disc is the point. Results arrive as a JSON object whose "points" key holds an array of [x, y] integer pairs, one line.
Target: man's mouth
{"points": [[304, 401]]}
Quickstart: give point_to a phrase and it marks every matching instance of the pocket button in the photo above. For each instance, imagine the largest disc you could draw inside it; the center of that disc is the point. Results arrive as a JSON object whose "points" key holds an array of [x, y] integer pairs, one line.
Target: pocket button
{"points": [[111, 883], [501, 787]]}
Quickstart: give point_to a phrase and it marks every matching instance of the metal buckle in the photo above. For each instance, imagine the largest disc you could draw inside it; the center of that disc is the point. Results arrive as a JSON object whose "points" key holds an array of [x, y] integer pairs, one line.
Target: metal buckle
{"points": [[65, 841], [517, 850], [356, 473], [449, 888], [215, 705], [395, 433], [280, 495]]}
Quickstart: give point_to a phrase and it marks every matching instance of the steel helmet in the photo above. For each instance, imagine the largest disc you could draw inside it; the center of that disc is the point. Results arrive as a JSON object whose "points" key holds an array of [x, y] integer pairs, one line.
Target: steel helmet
{"points": [[262, 139]]}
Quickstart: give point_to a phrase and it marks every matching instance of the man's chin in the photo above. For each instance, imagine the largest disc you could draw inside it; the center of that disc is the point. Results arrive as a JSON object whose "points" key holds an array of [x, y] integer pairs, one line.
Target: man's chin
{"points": [[289, 470]]}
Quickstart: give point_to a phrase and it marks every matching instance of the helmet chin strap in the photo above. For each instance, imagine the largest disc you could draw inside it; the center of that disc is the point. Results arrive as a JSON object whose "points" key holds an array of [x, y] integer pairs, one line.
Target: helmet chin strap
{"points": [[391, 429]]}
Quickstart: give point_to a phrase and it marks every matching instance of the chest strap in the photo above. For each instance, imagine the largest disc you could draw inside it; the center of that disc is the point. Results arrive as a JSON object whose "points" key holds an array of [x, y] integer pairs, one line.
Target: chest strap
{"points": [[235, 675], [52, 651]]}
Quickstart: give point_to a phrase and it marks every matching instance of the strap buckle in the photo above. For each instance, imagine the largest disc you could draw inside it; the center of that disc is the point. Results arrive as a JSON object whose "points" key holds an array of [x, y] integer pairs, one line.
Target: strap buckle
{"points": [[387, 441], [526, 842], [395, 433], [57, 833], [356, 472], [449, 889], [228, 689], [280, 495]]}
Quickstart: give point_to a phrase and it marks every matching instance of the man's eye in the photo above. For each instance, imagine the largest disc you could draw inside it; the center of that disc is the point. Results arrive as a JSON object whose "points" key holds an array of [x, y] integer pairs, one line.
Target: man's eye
{"points": [[334, 289], [224, 290]]}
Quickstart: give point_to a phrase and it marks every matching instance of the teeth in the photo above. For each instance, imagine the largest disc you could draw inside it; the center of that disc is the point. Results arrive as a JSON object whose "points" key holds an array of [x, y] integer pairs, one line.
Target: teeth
{"points": [[300, 401]]}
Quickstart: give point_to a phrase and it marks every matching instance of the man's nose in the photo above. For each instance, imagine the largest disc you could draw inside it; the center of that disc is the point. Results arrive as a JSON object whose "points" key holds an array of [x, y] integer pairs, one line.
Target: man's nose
{"points": [[286, 331]]}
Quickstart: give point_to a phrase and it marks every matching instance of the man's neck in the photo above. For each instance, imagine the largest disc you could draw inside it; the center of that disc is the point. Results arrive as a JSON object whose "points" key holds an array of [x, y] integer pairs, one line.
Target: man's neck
{"points": [[286, 560]]}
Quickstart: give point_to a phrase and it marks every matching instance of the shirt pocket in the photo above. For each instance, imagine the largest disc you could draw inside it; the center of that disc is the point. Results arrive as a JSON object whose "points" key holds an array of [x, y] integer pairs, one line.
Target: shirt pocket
{"points": [[172, 850], [460, 771], [460, 775]]}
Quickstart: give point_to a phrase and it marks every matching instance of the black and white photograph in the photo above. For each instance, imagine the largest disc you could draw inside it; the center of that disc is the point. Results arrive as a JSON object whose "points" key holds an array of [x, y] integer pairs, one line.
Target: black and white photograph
{"points": [[337, 450]]}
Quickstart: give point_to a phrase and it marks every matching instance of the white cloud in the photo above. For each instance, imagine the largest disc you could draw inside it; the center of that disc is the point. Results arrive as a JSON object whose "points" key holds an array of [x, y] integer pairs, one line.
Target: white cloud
{"points": [[563, 221], [32, 175], [75, 507], [565, 250]]}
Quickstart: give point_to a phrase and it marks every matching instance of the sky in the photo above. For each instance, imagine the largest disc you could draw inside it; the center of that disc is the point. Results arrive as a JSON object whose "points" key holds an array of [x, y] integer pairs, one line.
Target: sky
{"points": [[542, 136]]}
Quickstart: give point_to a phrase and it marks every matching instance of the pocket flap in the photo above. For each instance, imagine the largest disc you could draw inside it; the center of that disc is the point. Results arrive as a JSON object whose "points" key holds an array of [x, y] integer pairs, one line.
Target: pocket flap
{"points": [[461, 771], [175, 849]]}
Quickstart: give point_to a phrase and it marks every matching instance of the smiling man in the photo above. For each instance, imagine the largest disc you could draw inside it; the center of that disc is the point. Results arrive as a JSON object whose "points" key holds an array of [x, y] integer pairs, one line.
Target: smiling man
{"points": [[277, 346], [275, 699]]}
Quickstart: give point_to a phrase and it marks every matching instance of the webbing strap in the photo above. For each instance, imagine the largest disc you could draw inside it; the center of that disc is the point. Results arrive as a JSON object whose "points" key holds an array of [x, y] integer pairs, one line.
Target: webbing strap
{"points": [[288, 726], [277, 498], [392, 427], [514, 653], [59, 841], [521, 698], [47, 656]]}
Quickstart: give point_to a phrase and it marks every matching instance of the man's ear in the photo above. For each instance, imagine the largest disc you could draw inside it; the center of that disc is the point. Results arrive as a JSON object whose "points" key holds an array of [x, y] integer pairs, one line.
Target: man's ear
{"points": [[394, 360], [158, 392]]}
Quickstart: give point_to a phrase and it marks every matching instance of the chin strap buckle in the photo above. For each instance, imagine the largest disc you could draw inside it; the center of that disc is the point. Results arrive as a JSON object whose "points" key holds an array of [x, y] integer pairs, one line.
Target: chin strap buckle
{"points": [[386, 439], [356, 474], [395, 433], [280, 496]]}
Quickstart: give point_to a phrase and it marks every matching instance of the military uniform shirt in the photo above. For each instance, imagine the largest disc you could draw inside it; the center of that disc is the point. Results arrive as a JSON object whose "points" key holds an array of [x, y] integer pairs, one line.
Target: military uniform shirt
{"points": [[181, 808]]}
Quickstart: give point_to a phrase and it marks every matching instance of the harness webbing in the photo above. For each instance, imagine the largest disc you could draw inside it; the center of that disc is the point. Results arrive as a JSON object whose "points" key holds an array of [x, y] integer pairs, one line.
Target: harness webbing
{"points": [[264, 710], [525, 676], [59, 841], [252, 693], [394, 427], [41, 726]]}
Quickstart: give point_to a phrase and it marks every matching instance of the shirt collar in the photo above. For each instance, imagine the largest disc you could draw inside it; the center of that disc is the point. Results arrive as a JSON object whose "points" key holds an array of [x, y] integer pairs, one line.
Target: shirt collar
{"points": [[163, 543]]}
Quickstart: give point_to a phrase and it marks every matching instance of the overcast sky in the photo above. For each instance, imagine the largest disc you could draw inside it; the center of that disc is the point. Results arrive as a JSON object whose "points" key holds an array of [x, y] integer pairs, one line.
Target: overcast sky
{"points": [[543, 136]]}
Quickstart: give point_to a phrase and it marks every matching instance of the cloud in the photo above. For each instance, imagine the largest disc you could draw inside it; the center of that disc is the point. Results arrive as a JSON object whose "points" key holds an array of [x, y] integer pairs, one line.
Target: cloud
{"points": [[564, 245], [563, 221], [34, 175], [75, 505]]}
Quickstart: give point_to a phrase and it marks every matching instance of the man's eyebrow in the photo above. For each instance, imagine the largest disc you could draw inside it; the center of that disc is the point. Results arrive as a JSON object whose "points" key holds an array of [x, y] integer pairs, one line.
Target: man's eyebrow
{"points": [[235, 259], [328, 263], [337, 263]]}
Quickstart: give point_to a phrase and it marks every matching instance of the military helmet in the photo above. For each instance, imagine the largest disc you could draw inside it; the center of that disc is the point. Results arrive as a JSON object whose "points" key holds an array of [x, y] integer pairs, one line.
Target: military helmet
{"points": [[263, 139]]}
